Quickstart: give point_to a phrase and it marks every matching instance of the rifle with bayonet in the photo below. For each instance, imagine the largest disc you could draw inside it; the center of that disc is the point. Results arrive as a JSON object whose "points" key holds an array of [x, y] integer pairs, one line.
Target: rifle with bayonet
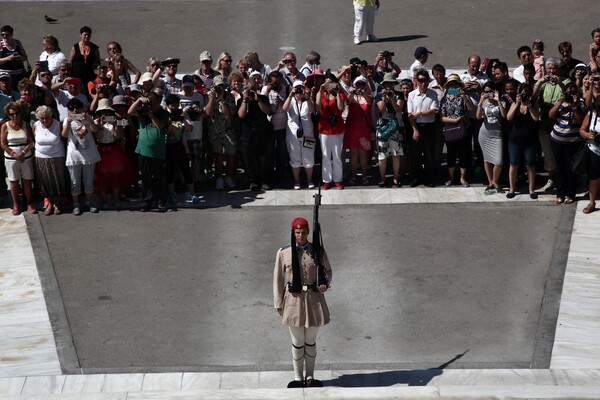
{"points": [[317, 242]]}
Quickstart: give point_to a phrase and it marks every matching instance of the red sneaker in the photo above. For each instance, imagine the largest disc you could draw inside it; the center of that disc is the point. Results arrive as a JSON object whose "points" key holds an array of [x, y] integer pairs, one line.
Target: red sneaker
{"points": [[326, 186], [339, 185]]}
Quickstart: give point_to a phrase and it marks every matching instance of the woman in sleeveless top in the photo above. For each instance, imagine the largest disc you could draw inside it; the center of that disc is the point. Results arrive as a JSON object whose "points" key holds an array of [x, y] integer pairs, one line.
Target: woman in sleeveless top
{"points": [[17, 142], [522, 142], [84, 55], [50, 159]]}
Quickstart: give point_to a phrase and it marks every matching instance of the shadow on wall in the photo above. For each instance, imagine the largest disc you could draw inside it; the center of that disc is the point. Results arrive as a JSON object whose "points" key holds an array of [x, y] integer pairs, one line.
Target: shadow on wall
{"points": [[418, 377]]}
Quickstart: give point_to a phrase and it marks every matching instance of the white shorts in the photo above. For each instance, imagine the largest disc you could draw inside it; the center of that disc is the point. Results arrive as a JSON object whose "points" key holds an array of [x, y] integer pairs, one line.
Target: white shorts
{"points": [[17, 170]]}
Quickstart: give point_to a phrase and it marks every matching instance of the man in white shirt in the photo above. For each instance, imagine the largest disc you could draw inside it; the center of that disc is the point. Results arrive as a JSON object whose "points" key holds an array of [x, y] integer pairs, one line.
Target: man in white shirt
{"points": [[421, 56], [525, 57], [422, 106]]}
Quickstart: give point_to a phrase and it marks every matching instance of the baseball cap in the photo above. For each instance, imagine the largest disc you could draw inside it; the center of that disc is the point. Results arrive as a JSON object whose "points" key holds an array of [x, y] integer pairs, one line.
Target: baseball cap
{"points": [[421, 51], [187, 80], [205, 56]]}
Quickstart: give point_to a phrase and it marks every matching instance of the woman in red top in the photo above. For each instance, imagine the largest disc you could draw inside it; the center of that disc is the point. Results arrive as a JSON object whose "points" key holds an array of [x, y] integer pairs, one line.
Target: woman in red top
{"points": [[358, 126], [330, 102]]}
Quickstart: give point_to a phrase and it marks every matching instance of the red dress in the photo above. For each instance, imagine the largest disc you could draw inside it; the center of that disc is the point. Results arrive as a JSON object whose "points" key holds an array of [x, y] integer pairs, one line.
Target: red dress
{"points": [[358, 126], [114, 169]]}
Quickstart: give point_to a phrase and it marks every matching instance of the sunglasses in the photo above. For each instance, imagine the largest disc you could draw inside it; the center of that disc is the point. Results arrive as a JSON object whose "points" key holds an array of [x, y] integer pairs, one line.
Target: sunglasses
{"points": [[422, 80], [45, 75], [155, 65], [112, 49], [12, 114], [172, 66], [227, 61]]}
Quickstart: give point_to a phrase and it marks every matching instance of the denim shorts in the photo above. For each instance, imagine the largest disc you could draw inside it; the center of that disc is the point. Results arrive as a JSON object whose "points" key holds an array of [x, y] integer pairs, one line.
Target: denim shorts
{"points": [[516, 152]]}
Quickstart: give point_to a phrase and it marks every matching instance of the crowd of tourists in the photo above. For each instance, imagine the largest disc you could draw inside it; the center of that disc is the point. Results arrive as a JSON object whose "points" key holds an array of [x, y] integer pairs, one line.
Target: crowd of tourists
{"points": [[85, 130]]}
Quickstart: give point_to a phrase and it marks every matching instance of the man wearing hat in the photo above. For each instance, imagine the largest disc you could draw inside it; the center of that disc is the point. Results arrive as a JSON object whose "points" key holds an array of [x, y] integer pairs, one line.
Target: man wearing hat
{"points": [[205, 72], [299, 302], [221, 112], [421, 56], [172, 84]]}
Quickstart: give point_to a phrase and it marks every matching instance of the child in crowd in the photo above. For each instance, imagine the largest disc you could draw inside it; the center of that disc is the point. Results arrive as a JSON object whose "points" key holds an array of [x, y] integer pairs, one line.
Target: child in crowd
{"points": [[176, 156], [539, 61]]}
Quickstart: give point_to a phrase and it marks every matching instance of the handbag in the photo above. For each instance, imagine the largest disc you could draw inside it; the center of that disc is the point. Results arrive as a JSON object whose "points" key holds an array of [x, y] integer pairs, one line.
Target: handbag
{"points": [[454, 132], [386, 127], [309, 143], [581, 160]]}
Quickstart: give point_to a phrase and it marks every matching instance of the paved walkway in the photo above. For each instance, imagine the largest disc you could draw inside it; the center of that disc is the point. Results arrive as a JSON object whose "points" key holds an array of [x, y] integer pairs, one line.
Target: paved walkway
{"points": [[30, 369]]}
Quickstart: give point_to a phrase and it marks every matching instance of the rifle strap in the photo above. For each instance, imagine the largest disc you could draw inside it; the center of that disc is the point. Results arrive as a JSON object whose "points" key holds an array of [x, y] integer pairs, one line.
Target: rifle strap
{"points": [[296, 277]]}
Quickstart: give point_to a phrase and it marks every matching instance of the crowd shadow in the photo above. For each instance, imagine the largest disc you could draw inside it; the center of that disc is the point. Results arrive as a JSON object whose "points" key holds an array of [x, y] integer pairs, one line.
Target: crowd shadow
{"points": [[417, 377]]}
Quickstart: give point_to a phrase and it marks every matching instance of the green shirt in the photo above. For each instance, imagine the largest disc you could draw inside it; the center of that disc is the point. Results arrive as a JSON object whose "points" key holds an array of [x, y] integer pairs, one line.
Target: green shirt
{"points": [[152, 141]]}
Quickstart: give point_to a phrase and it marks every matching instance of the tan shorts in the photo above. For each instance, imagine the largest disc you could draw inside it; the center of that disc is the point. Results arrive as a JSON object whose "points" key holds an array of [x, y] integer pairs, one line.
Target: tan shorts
{"points": [[17, 170]]}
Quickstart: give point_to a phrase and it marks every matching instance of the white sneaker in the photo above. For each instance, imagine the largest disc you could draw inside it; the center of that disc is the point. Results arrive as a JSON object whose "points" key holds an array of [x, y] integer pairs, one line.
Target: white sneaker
{"points": [[548, 186], [372, 38], [220, 185], [356, 40], [229, 182]]}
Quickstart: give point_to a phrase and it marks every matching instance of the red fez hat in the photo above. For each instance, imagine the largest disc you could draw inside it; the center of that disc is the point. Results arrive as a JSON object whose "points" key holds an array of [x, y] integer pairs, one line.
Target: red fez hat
{"points": [[299, 223]]}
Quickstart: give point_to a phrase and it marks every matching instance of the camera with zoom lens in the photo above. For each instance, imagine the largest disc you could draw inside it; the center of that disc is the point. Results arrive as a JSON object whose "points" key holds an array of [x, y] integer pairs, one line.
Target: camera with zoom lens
{"points": [[524, 98], [568, 98], [387, 53], [251, 94], [298, 91]]}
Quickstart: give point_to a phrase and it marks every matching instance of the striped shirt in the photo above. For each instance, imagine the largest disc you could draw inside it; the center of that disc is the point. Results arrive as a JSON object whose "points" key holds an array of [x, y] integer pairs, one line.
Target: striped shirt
{"points": [[565, 130]]}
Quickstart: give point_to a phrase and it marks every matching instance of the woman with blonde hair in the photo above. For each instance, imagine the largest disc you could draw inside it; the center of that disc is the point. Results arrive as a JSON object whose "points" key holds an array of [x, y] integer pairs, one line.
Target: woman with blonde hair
{"points": [[224, 64], [113, 49]]}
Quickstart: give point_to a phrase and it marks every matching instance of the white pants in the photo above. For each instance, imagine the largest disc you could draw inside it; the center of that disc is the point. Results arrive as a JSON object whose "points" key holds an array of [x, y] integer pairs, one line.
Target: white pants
{"points": [[331, 147], [77, 172], [300, 156], [304, 351], [364, 19]]}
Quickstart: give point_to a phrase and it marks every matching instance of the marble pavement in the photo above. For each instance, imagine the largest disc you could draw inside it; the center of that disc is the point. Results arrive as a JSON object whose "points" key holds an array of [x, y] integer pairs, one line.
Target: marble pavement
{"points": [[30, 368]]}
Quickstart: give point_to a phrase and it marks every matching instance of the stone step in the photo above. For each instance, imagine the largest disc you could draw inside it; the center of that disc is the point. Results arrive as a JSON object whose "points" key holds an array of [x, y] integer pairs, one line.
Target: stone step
{"points": [[333, 393], [365, 384]]}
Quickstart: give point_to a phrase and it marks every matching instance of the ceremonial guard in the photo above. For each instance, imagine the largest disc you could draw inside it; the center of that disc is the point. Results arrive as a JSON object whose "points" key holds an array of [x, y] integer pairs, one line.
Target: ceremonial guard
{"points": [[299, 300]]}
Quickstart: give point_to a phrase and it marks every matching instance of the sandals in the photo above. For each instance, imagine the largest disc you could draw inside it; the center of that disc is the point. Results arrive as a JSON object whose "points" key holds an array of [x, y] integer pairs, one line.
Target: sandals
{"points": [[16, 210], [590, 208], [569, 200], [559, 200]]}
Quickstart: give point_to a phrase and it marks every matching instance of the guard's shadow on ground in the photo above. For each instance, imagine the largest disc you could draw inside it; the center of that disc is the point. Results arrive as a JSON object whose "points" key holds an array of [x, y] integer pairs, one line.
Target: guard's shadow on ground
{"points": [[405, 38], [417, 377]]}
